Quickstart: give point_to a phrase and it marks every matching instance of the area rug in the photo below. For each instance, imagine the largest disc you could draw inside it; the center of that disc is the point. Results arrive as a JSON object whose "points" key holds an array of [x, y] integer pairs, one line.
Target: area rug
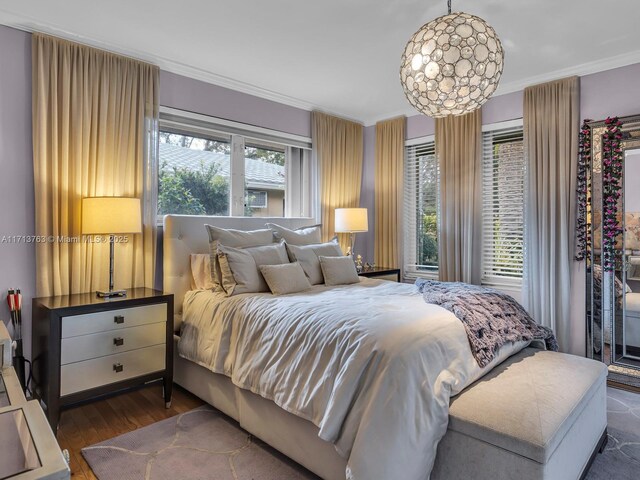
{"points": [[621, 458], [196, 445], [205, 444]]}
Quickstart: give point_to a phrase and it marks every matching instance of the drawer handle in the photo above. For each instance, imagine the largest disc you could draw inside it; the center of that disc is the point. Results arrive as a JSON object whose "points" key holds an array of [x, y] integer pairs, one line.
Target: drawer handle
{"points": [[118, 367], [118, 319], [118, 342]]}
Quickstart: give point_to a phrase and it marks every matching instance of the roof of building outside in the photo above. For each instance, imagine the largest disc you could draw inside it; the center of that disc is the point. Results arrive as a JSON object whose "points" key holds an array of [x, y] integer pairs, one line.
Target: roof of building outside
{"points": [[258, 174]]}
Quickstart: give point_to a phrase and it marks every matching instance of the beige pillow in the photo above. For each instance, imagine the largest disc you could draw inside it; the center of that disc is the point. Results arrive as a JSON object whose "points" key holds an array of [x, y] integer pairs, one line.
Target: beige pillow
{"points": [[300, 236], [201, 271], [285, 278], [339, 270], [232, 238], [240, 267], [307, 256]]}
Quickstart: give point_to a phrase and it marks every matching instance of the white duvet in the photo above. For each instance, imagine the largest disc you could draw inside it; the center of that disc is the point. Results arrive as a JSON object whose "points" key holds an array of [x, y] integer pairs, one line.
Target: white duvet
{"points": [[372, 365]]}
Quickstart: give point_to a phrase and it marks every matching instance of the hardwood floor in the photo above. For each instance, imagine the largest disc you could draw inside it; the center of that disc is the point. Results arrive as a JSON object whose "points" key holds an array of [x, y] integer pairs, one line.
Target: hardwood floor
{"points": [[100, 420]]}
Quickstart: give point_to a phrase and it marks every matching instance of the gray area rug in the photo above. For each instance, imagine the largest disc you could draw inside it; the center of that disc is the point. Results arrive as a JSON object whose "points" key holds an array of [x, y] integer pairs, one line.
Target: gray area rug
{"points": [[202, 444], [205, 444], [621, 458]]}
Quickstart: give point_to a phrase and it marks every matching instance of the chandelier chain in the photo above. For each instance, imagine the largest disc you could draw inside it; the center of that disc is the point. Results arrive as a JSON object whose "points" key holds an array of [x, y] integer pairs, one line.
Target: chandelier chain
{"points": [[449, 6]]}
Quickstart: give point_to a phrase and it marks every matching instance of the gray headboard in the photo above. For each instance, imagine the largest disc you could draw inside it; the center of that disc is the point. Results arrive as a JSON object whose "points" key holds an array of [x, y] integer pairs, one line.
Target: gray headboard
{"points": [[185, 234]]}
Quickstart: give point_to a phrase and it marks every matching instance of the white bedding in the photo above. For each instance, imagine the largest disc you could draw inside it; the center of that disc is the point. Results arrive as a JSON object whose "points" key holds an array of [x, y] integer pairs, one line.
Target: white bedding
{"points": [[371, 364]]}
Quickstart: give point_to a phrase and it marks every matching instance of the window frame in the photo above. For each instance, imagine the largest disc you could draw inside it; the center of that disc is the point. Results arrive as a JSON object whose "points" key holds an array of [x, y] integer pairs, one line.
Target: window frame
{"points": [[492, 279], [300, 201], [409, 252]]}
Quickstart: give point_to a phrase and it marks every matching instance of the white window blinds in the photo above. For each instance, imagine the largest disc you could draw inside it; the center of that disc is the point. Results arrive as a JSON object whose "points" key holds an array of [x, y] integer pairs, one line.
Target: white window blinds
{"points": [[503, 174], [421, 210]]}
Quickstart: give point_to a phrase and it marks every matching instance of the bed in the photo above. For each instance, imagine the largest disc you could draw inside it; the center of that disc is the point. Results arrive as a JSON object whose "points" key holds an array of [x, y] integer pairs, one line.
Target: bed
{"points": [[338, 449]]}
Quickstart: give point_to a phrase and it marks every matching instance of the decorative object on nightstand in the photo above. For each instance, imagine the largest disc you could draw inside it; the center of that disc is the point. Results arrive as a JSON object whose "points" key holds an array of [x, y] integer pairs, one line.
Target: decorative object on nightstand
{"points": [[28, 448], [381, 273], [84, 347], [111, 216], [351, 221]]}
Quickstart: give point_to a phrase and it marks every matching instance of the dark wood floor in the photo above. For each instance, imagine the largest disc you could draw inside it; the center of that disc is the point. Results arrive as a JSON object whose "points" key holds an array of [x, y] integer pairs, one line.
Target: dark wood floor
{"points": [[103, 419]]}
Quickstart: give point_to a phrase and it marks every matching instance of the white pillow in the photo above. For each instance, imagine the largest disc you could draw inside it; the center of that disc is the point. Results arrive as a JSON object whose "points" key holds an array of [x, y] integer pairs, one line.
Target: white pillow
{"points": [[339, 270], [300, 236], [240, 267], [232, 238], [201, 278], [307, 256], [285, 278]]}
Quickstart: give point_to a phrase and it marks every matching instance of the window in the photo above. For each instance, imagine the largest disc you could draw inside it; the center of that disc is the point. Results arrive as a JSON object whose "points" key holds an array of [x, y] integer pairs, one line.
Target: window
{"points": [[421, 209], [503, 174], [256, 199], [209, 166]]}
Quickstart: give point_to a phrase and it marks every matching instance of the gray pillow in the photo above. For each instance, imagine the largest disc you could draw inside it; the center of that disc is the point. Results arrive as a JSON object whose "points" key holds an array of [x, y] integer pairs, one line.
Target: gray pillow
{"points": [[307, 256], [285, 278], [339, 270], [300, 236], [240, 267], [232, 238]]}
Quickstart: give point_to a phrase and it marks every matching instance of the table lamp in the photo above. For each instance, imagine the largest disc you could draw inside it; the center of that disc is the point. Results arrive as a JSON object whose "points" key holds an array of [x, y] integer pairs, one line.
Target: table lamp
{"points": [[351, 221], [111, 216]]}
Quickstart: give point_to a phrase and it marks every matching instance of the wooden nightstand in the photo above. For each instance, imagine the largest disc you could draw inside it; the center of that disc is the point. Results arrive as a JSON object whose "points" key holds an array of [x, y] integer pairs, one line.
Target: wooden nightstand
{"points": [[381, 272], [84, 347]]}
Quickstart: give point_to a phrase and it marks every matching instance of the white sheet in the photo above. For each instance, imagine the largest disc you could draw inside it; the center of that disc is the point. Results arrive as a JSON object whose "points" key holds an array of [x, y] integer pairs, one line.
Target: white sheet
{"points": [[372, 365]]}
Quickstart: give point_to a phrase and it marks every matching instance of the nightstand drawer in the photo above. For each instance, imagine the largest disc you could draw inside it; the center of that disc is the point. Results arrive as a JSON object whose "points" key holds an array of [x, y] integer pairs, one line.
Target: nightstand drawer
{"points": [[80, 376], [86, 347], [75, 325]]}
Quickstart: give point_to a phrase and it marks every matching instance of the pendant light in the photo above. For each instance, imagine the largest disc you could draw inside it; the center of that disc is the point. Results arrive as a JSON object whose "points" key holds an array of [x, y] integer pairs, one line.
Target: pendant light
{"points": [[451, 65]]}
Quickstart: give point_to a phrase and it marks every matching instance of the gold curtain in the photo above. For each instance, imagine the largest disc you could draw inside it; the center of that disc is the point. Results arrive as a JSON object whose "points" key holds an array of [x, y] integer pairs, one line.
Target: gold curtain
{"points": [[338, 147], [94, 134], [459, 151], [551, 127], [389, 158]]}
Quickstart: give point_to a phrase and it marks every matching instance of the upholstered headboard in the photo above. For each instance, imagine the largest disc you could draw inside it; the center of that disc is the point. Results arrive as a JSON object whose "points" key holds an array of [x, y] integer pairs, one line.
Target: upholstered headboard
{"points": [[185, 234]]}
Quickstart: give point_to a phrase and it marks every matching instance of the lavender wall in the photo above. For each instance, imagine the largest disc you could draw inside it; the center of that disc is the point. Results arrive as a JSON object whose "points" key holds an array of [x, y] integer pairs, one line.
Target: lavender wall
{"points": [[365, 241], [195, 96], [17, 260]]}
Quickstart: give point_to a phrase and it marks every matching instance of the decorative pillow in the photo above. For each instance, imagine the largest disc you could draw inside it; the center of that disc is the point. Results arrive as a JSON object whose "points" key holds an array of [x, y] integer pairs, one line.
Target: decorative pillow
{"points": [[285, 278], [201, 271], [232, 238], [300, 236], [240, 267], [339, 270], [307, 256]]}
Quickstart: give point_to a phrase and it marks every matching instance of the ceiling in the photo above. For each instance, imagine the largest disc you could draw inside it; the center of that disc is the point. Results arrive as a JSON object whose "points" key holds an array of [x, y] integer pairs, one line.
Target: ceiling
{"points": [[341, 56]]}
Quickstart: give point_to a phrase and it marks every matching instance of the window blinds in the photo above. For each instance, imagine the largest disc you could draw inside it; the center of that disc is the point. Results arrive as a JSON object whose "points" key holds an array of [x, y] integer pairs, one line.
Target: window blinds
{"points": [[503, 174], [421, 210]]}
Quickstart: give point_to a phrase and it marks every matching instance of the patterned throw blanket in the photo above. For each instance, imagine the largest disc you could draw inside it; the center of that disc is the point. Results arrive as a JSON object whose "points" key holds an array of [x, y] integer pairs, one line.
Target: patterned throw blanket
{"points": [[490, 318]]}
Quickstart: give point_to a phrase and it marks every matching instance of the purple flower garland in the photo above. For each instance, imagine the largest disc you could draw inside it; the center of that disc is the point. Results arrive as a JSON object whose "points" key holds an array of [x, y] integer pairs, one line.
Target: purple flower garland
{"points": [[583, 236], [612, 164]]}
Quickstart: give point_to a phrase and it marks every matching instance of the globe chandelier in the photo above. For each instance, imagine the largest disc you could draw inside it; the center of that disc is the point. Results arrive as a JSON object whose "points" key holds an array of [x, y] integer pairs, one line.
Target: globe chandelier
{"points": [[451, 65]]}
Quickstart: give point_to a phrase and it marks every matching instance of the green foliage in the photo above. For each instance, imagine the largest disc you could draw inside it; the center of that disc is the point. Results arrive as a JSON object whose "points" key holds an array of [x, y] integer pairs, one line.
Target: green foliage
{"points": [[429, 239], [264, 155], [193, 192]]}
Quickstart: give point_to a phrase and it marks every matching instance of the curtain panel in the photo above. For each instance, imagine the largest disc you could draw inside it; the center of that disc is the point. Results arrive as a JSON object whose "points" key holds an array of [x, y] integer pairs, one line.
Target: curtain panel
{"points": [[389, 169], [338, 148], [459, 151], [94, 134], [551, 128]]}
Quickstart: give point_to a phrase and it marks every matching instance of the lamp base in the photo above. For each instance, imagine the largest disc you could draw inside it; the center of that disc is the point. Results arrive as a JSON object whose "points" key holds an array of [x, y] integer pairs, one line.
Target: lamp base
{"points": [[111, 293]]}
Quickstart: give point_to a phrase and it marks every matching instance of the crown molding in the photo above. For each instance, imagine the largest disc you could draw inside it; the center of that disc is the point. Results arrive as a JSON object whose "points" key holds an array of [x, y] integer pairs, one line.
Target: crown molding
{"points": [[31, 25], [581, 70]]}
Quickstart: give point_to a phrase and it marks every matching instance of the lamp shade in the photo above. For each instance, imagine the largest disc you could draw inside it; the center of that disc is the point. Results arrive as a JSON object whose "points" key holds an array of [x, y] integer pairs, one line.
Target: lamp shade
{"points": [[351, 220], [109, 215]]}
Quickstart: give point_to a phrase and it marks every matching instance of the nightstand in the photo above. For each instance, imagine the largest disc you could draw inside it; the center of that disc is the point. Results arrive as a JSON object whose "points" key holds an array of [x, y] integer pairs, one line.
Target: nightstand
{"points": [[85, 347], [382, 273]]}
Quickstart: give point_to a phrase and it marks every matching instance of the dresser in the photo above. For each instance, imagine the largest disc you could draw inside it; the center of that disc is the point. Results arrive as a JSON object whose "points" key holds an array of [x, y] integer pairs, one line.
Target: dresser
{"points": [[84, 347]]}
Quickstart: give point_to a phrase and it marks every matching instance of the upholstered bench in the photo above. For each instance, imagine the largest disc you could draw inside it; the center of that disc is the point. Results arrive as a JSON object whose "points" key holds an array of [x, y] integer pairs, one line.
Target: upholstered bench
{"points": [[538, 415]]}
